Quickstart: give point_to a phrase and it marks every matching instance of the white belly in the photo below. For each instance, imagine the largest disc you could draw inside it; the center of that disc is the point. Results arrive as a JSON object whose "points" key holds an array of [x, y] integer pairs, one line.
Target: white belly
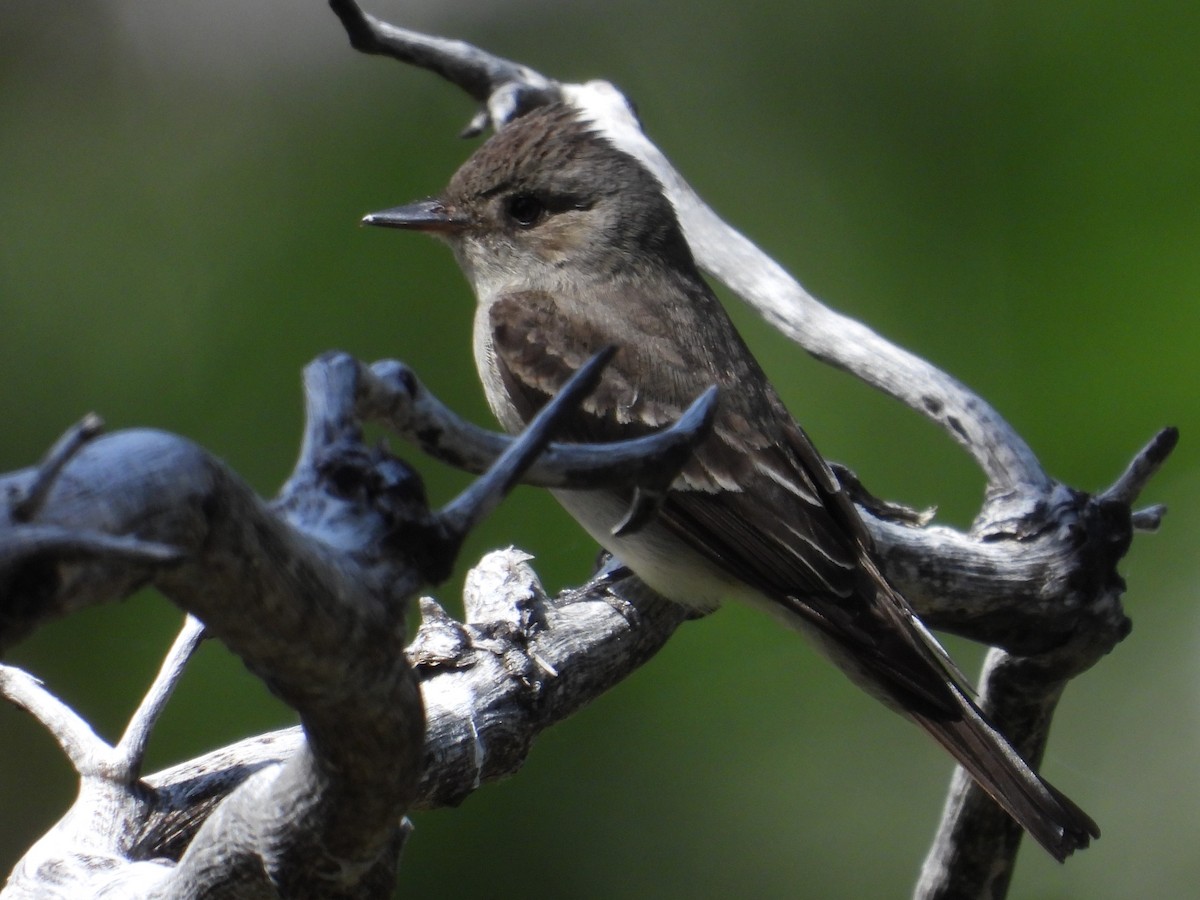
{"points": [[660, 559]]}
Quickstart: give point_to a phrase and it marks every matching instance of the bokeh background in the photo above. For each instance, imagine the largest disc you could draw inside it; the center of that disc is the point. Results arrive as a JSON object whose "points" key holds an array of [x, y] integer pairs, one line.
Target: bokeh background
{"points": [[1009, 189]]}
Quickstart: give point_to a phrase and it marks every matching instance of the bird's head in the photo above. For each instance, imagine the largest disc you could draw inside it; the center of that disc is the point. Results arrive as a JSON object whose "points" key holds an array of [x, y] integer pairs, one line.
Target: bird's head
{"points": [[547, 199]]}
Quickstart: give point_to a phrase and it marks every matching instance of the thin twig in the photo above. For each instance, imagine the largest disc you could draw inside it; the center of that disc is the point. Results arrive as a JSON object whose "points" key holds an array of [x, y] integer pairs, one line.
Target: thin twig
{"points": [[1142, 468], [64, 449], [131, 749], [82, 746]]}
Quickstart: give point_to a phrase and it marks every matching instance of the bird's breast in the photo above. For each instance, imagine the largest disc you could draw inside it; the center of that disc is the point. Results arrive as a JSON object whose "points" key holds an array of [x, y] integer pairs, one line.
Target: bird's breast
{"points": [[488, 367]]}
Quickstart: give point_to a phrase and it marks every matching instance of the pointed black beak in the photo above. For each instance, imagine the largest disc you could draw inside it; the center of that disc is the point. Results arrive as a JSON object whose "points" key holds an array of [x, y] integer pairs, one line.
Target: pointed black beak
{"points": [[425, 215]]}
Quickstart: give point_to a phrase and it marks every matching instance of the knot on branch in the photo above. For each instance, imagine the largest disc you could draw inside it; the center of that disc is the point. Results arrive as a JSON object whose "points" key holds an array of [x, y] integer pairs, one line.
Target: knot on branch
{"points": [[506, 610], [1098, 532], [1065, 607]]}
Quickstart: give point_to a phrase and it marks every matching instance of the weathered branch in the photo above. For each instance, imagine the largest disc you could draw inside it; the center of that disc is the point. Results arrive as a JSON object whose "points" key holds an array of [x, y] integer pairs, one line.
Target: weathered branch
{"points": [[263, 586], [131, 749], [393, 396], [329, 568], [504, 88]]}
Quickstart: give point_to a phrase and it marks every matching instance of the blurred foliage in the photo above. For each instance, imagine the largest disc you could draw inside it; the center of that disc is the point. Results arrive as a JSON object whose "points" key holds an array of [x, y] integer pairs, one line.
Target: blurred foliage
{"points": [[1011, 190]]}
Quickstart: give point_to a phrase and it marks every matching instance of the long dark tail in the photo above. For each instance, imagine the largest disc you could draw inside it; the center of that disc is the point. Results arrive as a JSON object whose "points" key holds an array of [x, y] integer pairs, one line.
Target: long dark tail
{"points": [[1050, 818], [888, 652]]}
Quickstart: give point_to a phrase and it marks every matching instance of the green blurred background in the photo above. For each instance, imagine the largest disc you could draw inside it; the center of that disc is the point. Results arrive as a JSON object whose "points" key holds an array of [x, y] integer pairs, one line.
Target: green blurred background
{"points": [[1011, 190]]}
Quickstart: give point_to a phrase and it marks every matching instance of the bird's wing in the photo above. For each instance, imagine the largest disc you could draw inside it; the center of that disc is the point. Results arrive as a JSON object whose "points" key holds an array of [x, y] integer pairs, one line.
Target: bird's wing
{"points": [[756, 497], [760, 500]]}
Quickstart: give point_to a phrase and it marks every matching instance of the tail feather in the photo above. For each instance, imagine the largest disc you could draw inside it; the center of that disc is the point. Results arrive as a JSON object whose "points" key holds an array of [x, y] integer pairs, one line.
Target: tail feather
{"points": [[1051, 818], [905, 668], [958, 725]]}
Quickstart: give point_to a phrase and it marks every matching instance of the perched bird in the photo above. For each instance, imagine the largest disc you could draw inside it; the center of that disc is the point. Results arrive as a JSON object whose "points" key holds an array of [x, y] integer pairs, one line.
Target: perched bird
{"points": [[571, 245]]}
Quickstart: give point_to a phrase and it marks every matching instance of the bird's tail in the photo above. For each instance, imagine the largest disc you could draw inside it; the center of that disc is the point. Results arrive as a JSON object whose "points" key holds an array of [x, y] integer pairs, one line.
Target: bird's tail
{"points": [[1050, 817]]}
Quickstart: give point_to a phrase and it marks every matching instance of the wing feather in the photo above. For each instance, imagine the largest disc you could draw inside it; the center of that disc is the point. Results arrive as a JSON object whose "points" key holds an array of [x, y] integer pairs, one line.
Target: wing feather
{"points": [[756, 497]]}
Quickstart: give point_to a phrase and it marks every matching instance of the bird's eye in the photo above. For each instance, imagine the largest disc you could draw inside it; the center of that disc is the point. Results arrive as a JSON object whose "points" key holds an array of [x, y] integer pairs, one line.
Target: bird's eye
{"points": [[525, 209]]}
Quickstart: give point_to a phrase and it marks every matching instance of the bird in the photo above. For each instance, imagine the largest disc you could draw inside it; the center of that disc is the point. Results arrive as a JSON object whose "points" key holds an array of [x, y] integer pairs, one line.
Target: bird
{"points": [[571, 245]]}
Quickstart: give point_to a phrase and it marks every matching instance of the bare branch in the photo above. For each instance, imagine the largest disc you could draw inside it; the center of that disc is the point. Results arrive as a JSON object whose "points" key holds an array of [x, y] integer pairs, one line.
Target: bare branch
{"points": [[505, 88], [466, 510], [72, 441], [1144, 466], [131, 749], [328, 567], [520, 663], [975, 849], [391, 394], [75, 736]]}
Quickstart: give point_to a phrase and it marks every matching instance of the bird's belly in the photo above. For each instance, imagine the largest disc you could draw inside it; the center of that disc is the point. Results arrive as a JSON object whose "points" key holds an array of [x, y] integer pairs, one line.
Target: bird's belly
{"points": [[654, 554]]}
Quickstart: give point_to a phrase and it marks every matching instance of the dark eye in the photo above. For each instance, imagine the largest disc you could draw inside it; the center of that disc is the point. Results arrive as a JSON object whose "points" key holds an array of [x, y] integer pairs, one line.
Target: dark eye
{"points": [[525, 209]]}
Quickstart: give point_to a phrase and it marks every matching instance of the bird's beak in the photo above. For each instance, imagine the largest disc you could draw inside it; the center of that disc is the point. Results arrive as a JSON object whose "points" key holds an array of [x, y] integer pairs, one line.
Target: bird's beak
{"points": [[425, 215]]}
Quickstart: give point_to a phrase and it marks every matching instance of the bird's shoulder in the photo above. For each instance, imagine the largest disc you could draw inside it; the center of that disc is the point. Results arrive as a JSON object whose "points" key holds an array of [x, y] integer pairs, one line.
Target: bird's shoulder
{"points": [[543, 337]]}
